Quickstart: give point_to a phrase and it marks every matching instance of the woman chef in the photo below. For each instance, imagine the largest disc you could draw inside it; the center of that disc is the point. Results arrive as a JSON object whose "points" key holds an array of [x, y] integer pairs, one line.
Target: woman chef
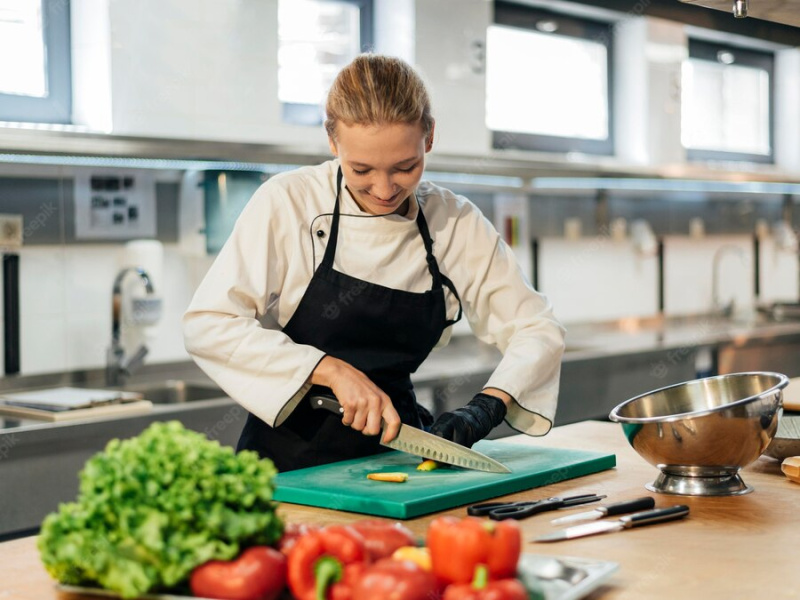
{"points": [[342, 277]]}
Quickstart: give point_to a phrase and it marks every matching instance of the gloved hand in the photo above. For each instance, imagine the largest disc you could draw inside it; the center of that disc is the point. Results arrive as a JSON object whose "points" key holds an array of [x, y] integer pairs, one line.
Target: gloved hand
{"points": [[472, 422]]}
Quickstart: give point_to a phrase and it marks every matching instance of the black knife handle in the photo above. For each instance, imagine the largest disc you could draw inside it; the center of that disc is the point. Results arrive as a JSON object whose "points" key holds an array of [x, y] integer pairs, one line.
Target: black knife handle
{"points": [[629, 506], [658, 515], [327, 402]]}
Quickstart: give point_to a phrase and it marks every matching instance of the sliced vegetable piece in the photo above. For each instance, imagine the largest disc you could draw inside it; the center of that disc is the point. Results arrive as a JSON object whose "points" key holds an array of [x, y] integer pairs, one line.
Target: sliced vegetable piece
{"points": [[427, 465], [391, 477]]}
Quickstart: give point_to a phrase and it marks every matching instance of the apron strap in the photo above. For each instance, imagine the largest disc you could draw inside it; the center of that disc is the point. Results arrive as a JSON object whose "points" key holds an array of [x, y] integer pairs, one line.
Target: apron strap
{"points": [[333, 238], [449, 284], [433, 265]]}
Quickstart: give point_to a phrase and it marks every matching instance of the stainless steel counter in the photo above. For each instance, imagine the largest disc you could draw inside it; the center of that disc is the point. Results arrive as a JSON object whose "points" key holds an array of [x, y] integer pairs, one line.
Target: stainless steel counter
{"points": [[607, 363]]}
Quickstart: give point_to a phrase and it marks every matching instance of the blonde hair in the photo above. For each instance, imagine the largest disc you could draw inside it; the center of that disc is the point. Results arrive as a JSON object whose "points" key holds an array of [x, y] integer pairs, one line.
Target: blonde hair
{"points": [[375, 90]]}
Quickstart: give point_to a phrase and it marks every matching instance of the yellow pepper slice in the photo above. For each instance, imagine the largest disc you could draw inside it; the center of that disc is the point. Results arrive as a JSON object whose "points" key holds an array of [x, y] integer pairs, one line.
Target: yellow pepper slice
{"points": [[392, 477], [427, 465], [419, 556]]}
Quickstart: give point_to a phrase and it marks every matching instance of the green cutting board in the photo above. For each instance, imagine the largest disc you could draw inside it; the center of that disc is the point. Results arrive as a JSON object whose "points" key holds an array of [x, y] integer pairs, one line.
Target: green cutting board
{"points": [[344, 485]]}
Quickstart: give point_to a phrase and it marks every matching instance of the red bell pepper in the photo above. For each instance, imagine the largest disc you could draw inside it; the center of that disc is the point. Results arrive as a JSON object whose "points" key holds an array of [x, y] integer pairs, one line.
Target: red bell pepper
{"points": [[458, 546], [325, 564], [293, 532], [483, 589], [390, 579], [383, 537], [258, 574]]}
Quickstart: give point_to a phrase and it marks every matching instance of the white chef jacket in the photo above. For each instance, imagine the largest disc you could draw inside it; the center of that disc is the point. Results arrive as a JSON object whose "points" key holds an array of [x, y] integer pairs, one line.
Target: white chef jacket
{"points": [[233, 326]]}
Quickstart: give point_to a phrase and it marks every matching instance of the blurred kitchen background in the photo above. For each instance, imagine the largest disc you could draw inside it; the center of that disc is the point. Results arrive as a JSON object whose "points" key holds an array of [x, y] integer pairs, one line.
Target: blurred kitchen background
{"points": [[642, 158]]}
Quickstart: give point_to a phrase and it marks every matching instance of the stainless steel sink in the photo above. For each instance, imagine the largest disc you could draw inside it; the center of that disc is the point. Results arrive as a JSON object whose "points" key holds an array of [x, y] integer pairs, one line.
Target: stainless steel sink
{"points": [[175, 391]]}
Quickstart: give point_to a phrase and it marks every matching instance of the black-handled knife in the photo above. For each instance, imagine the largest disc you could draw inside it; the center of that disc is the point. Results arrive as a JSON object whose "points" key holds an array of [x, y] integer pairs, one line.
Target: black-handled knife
{"points": [[420, 443], [638, 519], [609, 510]]}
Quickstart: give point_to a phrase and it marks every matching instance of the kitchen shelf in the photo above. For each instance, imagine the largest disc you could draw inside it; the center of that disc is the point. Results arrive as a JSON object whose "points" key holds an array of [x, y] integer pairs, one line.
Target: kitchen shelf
{"points": [[510, 170]]}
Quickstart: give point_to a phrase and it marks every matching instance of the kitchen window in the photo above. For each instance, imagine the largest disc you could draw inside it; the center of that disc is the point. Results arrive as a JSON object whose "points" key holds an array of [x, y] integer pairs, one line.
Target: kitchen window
{"points": [[316, 38], [548, 81], [727, 103], [35, 74]]}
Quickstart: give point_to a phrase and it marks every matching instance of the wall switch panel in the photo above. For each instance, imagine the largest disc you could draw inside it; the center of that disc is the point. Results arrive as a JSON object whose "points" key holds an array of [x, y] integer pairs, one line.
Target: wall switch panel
{"points": [[10, 232], [116, 204]]}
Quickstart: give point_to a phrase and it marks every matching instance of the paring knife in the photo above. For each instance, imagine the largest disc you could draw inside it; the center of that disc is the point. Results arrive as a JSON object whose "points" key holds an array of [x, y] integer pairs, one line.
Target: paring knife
{"points": [[609, 510], [647, 517], [420, 443]]}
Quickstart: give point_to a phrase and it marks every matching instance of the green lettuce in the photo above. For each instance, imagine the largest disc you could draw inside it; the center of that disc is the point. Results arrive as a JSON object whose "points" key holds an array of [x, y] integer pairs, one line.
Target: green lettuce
{"points": [[152, 508]]}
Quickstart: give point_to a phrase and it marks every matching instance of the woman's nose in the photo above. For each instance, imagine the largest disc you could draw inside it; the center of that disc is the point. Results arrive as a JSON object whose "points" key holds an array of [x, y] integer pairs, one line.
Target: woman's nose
{"points": [[383, 187]]}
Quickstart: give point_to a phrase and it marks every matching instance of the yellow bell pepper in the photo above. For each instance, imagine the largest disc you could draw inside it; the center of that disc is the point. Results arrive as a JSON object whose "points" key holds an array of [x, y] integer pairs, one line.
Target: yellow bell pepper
{"points": [[417, 555]]}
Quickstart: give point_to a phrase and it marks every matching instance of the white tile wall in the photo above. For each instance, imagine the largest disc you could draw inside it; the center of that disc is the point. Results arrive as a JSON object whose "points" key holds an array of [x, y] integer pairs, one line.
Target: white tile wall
{"points": [[43, 348], [596, 279], [779, 273], [87, 338], [688, 273], [65, 297]]}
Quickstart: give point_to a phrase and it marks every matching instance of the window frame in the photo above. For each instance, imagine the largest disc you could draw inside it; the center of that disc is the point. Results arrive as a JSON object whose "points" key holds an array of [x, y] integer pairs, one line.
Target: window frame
{"points": [[520, 16], [56, 106], [295, 113], [701, 49]]}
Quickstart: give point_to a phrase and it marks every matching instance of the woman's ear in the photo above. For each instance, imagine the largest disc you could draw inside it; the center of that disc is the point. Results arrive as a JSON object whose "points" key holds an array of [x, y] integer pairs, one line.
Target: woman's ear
{"points": [[333, 148], [429, 139]]}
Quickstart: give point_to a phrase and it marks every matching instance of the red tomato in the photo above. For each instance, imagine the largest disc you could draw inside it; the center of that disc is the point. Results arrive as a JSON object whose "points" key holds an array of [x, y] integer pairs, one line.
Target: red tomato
{"points": [[258, 574]]}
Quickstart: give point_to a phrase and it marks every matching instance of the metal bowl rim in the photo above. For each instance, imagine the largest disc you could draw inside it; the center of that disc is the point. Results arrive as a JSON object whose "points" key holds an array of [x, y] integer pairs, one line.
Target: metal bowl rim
{"points": [[783, 381]]}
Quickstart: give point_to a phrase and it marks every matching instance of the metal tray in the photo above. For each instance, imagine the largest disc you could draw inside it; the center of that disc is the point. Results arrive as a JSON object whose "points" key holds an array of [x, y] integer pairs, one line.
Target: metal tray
{"points": [[563, 577], [553, 577]]}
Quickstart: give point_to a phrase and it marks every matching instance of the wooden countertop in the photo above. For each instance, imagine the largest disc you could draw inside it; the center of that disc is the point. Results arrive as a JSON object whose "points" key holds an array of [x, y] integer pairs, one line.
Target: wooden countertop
{"points": [[735, 547]]}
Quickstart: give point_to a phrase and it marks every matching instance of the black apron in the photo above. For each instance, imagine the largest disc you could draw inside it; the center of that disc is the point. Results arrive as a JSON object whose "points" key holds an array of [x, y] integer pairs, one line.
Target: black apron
{"points": [[383, 332]]}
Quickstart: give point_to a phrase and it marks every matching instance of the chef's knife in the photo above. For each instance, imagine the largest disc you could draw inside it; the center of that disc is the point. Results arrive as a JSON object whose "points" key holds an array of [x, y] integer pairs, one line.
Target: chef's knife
{"points": [[609, 510], [647, 517], [420, 443]]}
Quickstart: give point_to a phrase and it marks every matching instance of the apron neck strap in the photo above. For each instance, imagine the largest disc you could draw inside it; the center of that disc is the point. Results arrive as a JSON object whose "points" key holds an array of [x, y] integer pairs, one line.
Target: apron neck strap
{"points": [[333, 238], [433, 266]]}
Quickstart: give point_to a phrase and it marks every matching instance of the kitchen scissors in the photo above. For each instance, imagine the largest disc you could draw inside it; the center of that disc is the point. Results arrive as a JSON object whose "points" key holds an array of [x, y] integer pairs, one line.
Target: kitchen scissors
{"points": [[498, 511]]}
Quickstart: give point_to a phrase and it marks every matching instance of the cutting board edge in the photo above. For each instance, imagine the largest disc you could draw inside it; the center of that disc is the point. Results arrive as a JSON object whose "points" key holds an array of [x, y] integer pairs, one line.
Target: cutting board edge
{"points": [[320, 500]]}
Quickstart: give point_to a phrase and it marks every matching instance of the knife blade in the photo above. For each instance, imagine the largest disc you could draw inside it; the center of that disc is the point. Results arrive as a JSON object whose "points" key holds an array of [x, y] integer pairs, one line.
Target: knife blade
{"points": [[420, 443], [609, 510], [646, 517]]}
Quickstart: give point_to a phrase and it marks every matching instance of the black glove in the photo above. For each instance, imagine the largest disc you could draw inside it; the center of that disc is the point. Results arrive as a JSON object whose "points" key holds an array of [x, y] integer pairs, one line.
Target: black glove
{"points": [[471, 423]]}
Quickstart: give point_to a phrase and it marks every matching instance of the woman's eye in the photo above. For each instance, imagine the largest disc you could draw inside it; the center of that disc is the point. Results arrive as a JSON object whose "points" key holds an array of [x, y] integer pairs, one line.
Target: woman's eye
{"points": [[357, 172], [408, 170]]}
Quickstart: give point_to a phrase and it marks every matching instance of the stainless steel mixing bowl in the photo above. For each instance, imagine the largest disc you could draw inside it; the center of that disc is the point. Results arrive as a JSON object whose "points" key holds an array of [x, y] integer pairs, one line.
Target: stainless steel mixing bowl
{"points": [[702, 432]]}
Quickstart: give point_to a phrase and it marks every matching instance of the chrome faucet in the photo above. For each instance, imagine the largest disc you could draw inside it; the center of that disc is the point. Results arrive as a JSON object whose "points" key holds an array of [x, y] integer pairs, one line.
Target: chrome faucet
{"points": [[117, 366], [725, 309]]}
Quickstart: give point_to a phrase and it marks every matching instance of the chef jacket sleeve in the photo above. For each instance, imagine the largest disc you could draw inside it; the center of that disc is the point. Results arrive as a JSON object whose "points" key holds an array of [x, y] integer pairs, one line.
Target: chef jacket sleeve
{"points": [[504, 310], [226, 328]]}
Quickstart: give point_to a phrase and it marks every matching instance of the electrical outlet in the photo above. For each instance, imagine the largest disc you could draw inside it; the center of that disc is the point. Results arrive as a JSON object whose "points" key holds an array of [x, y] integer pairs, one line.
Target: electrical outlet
{"points": [[10, 231]]}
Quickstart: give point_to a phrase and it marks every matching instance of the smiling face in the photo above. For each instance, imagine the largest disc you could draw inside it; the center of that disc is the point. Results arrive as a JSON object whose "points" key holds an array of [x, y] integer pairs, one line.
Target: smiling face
{"points": [[381, 164]]}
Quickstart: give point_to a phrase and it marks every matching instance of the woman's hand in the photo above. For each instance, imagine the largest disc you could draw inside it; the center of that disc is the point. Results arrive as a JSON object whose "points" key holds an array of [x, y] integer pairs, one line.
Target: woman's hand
{"points": [[474, 421], [365, 404]]}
